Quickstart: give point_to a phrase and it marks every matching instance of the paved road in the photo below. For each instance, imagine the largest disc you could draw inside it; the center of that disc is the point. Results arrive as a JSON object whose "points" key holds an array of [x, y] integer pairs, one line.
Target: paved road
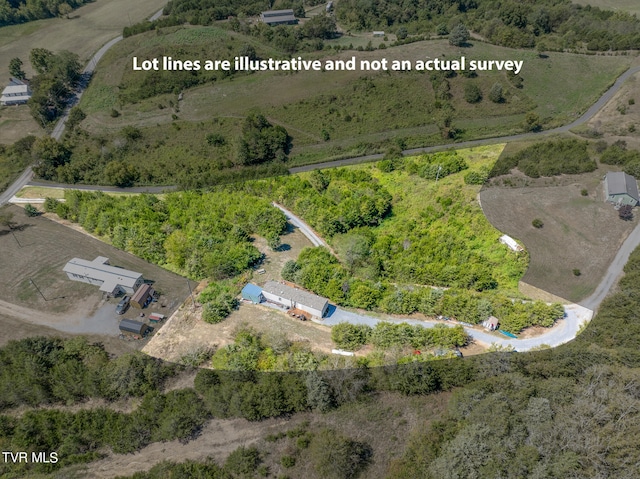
{"points": [[563, 331], [58, 130], [614, 271]]}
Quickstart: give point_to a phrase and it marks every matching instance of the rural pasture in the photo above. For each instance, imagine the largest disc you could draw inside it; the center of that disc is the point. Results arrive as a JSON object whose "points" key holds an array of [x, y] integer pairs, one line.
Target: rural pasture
{"points": [[88, 28], [620, 117], [578, 232], [334, 113]]}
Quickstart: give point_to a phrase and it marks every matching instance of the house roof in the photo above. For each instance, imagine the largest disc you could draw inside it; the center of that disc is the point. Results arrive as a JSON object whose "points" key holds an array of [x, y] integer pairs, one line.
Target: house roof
{"points": [[618, 183], [16, 90], [278, 16], [299, 296], [492, 320], [251, 290], [141, 294], [97, 269]]}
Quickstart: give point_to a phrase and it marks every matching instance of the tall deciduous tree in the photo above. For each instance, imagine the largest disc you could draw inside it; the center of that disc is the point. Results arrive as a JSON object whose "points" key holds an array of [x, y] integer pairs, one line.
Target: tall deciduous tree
{"points": [[459, 35], [15, 68]]}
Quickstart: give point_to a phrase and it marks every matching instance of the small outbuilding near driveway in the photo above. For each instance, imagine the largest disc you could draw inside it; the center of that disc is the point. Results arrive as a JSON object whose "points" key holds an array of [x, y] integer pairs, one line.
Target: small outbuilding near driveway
{"points": [[134, 327], [142, 296], [253, 293]]}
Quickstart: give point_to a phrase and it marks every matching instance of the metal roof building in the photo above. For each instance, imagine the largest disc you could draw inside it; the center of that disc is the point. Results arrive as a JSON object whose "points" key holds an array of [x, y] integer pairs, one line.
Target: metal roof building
{"points": [[620, 188], [295, 298], [111, 279], [16, 93], [278, 17], [252, 293], [131, 326], [141, 297]]}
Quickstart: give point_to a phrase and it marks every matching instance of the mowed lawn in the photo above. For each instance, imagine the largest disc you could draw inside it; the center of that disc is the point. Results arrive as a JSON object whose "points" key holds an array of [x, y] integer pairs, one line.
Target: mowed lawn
{"points": [[89, 27], [37, 251], [580, 233]]}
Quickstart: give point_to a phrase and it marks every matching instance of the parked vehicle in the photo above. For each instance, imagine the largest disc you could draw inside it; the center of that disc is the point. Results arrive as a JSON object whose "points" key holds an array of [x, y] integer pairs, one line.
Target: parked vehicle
{"points": [[123, 305]]}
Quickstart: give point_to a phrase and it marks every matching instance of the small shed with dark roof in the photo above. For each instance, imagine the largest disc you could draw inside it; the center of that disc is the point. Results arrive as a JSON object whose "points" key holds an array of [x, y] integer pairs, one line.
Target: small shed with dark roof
{"points": [[621, 189], [135, 327]]}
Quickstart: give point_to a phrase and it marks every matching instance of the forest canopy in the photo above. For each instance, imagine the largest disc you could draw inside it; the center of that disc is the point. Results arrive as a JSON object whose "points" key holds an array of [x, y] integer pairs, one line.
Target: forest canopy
{"points": [[20, 11]]}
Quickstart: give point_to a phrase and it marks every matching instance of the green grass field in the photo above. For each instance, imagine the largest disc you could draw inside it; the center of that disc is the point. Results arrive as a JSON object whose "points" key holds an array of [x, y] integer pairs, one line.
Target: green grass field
{"points": [[89, 27], [343, 113]]}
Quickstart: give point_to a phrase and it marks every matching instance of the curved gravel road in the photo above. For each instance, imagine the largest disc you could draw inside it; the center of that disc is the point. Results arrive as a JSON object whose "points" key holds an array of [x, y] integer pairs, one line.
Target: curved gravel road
{"points": [[58, 130]]}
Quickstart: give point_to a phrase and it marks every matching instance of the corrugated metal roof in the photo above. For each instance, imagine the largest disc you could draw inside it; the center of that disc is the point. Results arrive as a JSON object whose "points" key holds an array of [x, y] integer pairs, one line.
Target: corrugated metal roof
{"points": [[141, 295], [132, 326], [299, 296], [97, 270], [16, 89], [278, 16], [277, 13], [618, 182]]}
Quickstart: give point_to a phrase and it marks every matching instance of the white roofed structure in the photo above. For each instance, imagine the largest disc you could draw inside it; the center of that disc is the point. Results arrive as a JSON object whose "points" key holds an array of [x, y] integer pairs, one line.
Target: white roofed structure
{"points": [[16, 93], [510, 242], [111, 279], [285, 295]]}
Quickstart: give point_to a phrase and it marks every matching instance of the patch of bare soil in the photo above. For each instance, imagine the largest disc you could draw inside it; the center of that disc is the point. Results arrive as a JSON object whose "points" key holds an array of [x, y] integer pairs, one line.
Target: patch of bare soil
{"points": [[532, 332], [185, 332], [580, 235]]}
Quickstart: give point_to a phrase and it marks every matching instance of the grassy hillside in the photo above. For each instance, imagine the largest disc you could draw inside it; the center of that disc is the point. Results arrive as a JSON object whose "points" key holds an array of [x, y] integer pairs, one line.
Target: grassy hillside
{"points": [[331, 114]]}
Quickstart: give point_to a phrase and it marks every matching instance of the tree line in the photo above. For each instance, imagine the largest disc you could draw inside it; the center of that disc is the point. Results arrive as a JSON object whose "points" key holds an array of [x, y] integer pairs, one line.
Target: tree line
{"points": [[197, 234], [546, 25], [21, 11]]}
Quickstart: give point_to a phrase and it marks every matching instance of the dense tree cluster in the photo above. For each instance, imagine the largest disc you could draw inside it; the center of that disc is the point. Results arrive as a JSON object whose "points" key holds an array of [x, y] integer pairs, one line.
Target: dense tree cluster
{"points": [[14, 159], [618, 154], [38, 371], [58, 75], [78, 436], [316, 269], [205, 12], [261, 141], [200, 235], [552, 23], [387, 335], [20, 11], [548, 158]]}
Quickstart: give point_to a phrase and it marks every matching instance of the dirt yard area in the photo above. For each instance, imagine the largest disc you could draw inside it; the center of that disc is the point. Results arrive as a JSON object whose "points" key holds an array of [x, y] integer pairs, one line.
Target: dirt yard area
{"points": [[620, 118], [581, 233], [34, 290], [186, 333]]}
